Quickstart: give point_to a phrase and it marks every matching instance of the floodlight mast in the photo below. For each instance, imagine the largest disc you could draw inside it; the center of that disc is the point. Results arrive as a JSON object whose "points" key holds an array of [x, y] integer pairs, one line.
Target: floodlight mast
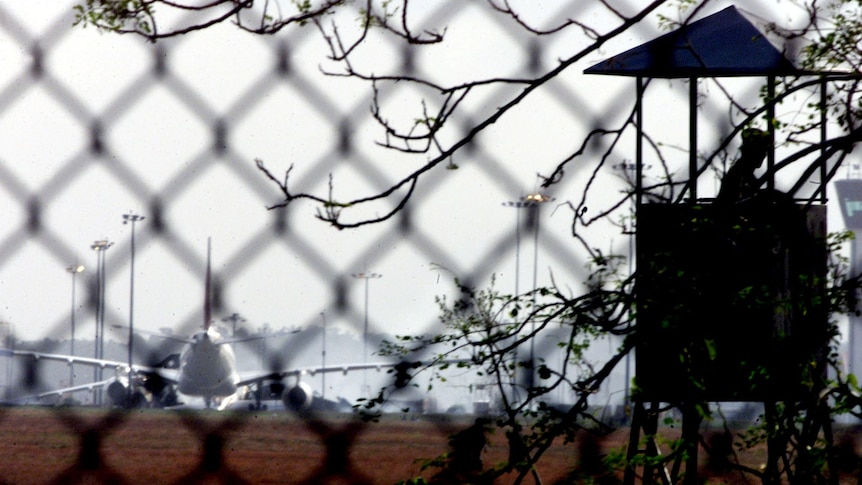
{"points": [[73, 270], [323, 360], [365, 276], [131, 218], [234, 318], [100, 247], [532, 201]]}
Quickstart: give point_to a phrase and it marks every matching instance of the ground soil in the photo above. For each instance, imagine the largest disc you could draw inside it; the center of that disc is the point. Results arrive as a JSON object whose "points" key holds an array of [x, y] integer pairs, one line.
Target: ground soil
{"points": [[81, 445], [44, 445]]}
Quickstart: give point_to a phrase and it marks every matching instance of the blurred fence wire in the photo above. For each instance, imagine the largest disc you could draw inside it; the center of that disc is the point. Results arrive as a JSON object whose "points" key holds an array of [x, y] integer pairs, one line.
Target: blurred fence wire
{"points": [[165, 138]]}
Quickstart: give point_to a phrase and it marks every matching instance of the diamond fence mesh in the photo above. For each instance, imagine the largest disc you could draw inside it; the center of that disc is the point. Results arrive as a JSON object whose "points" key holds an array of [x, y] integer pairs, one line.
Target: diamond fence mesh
{"points": [[92, 126]]}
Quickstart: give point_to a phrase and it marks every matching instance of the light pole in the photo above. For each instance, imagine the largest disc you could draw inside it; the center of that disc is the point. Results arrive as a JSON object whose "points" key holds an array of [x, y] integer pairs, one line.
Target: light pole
{"points": [[234, 319], [365, 276], [131, 218], [8, 342], [630, 171], [517, 205], [532, 202], [100, 247], [74, 270], [323, 362]]}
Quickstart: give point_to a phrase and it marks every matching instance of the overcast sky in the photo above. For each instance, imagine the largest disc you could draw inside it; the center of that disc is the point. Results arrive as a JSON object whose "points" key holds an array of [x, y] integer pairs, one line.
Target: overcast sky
{"points": [[157, 135]]}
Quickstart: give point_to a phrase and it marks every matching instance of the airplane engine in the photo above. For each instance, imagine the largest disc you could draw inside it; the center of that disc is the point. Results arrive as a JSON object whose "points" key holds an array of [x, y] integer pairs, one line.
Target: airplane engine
{"points": [[117, 393], [298, 398]]}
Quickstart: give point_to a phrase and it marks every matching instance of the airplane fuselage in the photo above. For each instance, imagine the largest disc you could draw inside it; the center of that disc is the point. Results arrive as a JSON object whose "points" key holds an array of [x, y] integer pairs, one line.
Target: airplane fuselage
{"points": [[207, 368]]}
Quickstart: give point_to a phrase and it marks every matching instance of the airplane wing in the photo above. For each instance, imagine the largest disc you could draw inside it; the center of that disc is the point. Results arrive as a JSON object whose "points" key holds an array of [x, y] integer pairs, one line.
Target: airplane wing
{"points": [[235, 340], [300, 396], [398, 366], [167, 373], [165, 336], [59, 392], [251, 378], [153, 378]]}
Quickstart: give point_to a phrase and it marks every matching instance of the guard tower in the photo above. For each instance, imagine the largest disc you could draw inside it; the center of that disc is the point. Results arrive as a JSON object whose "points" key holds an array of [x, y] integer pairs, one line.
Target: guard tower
{"points": [[730, 289]]}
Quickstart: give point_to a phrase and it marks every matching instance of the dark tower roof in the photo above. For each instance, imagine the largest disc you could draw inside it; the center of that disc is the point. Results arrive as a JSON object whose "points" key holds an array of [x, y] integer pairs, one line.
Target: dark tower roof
{"points": [[721, 45]]}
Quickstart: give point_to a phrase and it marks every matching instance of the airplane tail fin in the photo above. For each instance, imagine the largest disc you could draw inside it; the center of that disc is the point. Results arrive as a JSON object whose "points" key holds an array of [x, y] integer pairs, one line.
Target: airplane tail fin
{"points": [[208, 290]]}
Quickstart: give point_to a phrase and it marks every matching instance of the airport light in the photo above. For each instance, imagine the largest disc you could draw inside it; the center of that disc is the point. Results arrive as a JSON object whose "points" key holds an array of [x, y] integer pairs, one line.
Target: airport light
{"points": [[234, 319], [8, 342], [73, 270], [323, 362], [630, 171], [518, 205], [100, 247], [532, 202], [131, 218], [365, 276]]}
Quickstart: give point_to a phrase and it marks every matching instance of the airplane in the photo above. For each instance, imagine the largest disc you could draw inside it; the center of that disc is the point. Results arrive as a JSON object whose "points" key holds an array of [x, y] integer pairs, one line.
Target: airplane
{"points": [[206, 368]]}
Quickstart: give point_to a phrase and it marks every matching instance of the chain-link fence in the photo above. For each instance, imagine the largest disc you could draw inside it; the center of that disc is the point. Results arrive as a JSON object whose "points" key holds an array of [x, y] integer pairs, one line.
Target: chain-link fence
{"points": [[93, 126]]}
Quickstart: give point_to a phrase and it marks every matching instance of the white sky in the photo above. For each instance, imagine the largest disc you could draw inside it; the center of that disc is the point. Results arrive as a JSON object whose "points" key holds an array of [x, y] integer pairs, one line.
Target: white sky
{"points": [[154, 133]]}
